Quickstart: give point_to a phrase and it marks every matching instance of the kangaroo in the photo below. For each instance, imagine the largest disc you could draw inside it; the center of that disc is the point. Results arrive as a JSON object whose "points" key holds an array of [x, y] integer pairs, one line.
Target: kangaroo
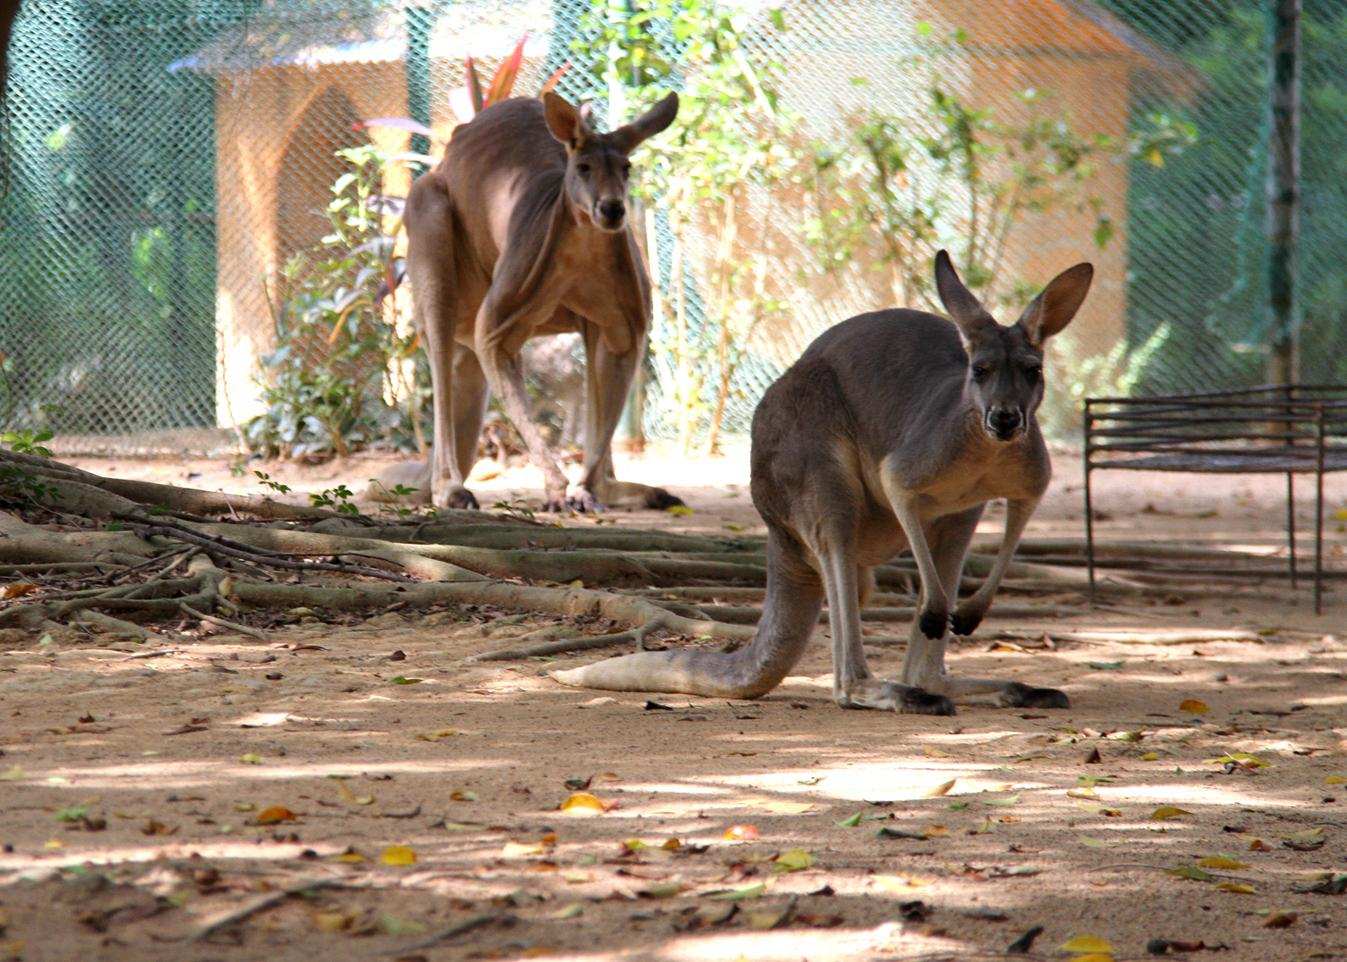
{"points": [[892, 431], [522, 231]]}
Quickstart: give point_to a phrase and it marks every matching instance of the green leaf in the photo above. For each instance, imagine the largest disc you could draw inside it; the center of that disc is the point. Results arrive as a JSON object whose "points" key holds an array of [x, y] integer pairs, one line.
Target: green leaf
{"points": [[402, 680]]}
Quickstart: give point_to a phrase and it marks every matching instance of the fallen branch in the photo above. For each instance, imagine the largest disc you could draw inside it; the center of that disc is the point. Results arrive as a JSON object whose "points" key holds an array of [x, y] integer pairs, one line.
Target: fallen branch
{"points": [[261, 904]]}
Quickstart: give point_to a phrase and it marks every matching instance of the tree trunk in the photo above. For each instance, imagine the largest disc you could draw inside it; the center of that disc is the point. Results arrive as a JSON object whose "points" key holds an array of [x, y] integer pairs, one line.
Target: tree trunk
{"points": [[1283, 191]]}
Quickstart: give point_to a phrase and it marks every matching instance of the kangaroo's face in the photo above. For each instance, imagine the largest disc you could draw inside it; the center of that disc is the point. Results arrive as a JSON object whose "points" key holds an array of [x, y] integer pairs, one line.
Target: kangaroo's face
{"points": [[596, 182], [1005, 364], [1005, 379], [597, 165]]}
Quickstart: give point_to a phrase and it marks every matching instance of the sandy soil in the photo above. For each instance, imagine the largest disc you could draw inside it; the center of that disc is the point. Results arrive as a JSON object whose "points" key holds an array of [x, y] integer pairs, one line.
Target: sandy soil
{"points": [[134, 778]]}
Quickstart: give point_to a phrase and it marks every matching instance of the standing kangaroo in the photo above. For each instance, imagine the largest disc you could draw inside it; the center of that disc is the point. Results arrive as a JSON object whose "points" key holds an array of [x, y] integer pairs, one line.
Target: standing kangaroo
{"points": [[893, 430], [522, 231]]}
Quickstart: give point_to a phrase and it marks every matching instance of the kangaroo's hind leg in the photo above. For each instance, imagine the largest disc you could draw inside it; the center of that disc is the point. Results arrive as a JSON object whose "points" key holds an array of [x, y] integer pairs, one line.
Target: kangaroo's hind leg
{"points": [[853, 685], [950, 538]]}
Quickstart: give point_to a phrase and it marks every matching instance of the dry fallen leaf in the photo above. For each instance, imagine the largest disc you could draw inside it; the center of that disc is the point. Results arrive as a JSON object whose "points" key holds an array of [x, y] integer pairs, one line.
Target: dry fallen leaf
{"points": [[1166, 812], [1239, 888], [584, 804], [1194, 706], [275, 814], [1280, 920], [942, 789], [398, 855], [741, 833], [1306, 841], [792, 860], [1222, 862], [1087, 944]]}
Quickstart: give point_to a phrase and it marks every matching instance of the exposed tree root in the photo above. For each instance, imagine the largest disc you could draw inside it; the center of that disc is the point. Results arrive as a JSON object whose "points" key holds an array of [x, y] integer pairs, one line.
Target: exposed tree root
{"points": [[116, 555]]}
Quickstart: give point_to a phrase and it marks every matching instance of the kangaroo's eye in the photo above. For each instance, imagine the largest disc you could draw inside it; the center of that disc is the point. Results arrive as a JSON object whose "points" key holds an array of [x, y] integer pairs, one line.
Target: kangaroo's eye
{"points": [[981, 372], [582, 168], [1033, 372], [626, 167]]}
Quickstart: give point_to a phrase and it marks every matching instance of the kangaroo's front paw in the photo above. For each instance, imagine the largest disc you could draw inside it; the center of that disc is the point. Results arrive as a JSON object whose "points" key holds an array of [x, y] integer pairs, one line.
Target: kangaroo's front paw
{"points": [[919, 701], [1016, 695], [965, 620], [934, 622]]}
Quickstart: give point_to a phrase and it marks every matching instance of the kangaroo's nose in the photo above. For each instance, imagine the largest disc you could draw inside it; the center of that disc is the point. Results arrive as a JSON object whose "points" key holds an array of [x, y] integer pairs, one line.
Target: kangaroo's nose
{"points": [[1004, 421], [612, 210]]}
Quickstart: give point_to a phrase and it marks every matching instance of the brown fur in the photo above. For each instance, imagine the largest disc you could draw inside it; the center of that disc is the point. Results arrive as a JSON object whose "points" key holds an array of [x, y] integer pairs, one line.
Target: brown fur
{"points": [[511, 237]]}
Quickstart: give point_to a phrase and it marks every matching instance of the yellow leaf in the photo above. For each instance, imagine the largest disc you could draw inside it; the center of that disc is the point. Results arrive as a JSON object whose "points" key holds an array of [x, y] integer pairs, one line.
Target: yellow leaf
{"points": [[332, 921], [939, 831], [1093, 957], [350, 857], [1086, 792], [1087, 943], [741, 833], [1258, 845], [1336, 780], [1222, 862], [275, 814], [1166, 812], [793, 860], [1194, 706], [522, 849], [1340, 514], [898, 883], [569, 912], [679, 510], [436, 735], [584, 804], [1239, 888], [1243, 759], [671, 845], [942, 789], [54, 843], [398, 855], [1150, 757], [251, 759]]}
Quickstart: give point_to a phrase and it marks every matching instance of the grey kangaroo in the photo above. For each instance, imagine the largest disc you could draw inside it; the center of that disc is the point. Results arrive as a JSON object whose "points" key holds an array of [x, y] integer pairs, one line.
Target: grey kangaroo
{"points": [[893, 430], [522, 231]]}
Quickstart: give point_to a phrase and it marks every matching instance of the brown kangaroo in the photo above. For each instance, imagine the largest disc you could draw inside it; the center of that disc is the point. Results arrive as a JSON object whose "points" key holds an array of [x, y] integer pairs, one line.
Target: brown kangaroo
{"points": [[522, 231], [893, 430]]}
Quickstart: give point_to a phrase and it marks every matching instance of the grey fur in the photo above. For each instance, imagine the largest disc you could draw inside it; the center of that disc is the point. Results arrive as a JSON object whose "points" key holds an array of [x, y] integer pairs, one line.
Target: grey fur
{"points": [[889, 433]]}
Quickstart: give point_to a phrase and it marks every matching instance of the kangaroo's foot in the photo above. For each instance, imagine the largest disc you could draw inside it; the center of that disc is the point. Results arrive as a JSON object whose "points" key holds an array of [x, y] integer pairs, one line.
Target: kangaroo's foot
{"points": [[1008, 694], [629, 494], [459, 497], [575, 498], [891, 696]]}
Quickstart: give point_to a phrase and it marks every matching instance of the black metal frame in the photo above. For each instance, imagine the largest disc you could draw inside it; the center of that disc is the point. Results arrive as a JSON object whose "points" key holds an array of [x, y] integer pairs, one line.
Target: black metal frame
{"points": [[1275, 429]]}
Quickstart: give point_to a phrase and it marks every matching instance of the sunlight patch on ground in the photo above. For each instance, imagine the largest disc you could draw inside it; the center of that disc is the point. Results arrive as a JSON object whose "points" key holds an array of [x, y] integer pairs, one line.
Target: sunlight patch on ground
{"points": [[896, 781], [184, 774]]}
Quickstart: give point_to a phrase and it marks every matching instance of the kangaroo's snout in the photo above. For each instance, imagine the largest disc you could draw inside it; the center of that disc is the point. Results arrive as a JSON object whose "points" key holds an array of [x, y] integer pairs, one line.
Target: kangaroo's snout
{"points": [[610, 213], [1004, 422]]}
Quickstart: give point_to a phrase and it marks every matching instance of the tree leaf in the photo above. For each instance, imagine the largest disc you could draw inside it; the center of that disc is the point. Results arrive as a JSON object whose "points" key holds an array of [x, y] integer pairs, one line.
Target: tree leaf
{"points": [[1222, 862], [739, 894], [741, 833], [942, 789], [1087, 943], [584, 804], [1166, 812], [792, 860], [1194, 706], [398, 855], [1239, 888], [274, 815]]}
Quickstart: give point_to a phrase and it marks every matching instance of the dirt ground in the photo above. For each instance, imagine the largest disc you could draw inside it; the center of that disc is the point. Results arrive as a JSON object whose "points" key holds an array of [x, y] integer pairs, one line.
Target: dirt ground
{"points": [[151, 793]]}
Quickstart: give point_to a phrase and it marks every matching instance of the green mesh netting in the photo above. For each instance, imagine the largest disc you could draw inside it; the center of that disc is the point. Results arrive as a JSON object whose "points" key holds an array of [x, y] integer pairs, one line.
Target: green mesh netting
{"points": [[166, 156]]}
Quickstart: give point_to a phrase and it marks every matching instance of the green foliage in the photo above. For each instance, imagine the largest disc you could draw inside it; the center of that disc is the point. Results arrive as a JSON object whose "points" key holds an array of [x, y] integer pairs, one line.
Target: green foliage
{"points": [[1078, 374], [18, 486], [732, 140], [341, 354], [961, 178]]}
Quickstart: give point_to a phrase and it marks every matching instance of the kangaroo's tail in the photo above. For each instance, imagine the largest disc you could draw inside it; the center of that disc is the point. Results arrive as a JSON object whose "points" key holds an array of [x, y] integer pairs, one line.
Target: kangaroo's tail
{"points": [[790, 612]]}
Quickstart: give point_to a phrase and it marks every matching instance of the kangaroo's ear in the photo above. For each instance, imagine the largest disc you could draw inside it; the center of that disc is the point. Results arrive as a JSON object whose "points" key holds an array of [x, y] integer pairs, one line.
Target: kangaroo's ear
{"points": [[965, 310], [566, 123], [1053, 309], [628, 137]]}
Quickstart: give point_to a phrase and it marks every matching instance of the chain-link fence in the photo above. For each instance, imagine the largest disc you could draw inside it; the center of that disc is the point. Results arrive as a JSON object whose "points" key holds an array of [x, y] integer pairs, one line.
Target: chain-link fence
{"points": [[172, 166]]}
